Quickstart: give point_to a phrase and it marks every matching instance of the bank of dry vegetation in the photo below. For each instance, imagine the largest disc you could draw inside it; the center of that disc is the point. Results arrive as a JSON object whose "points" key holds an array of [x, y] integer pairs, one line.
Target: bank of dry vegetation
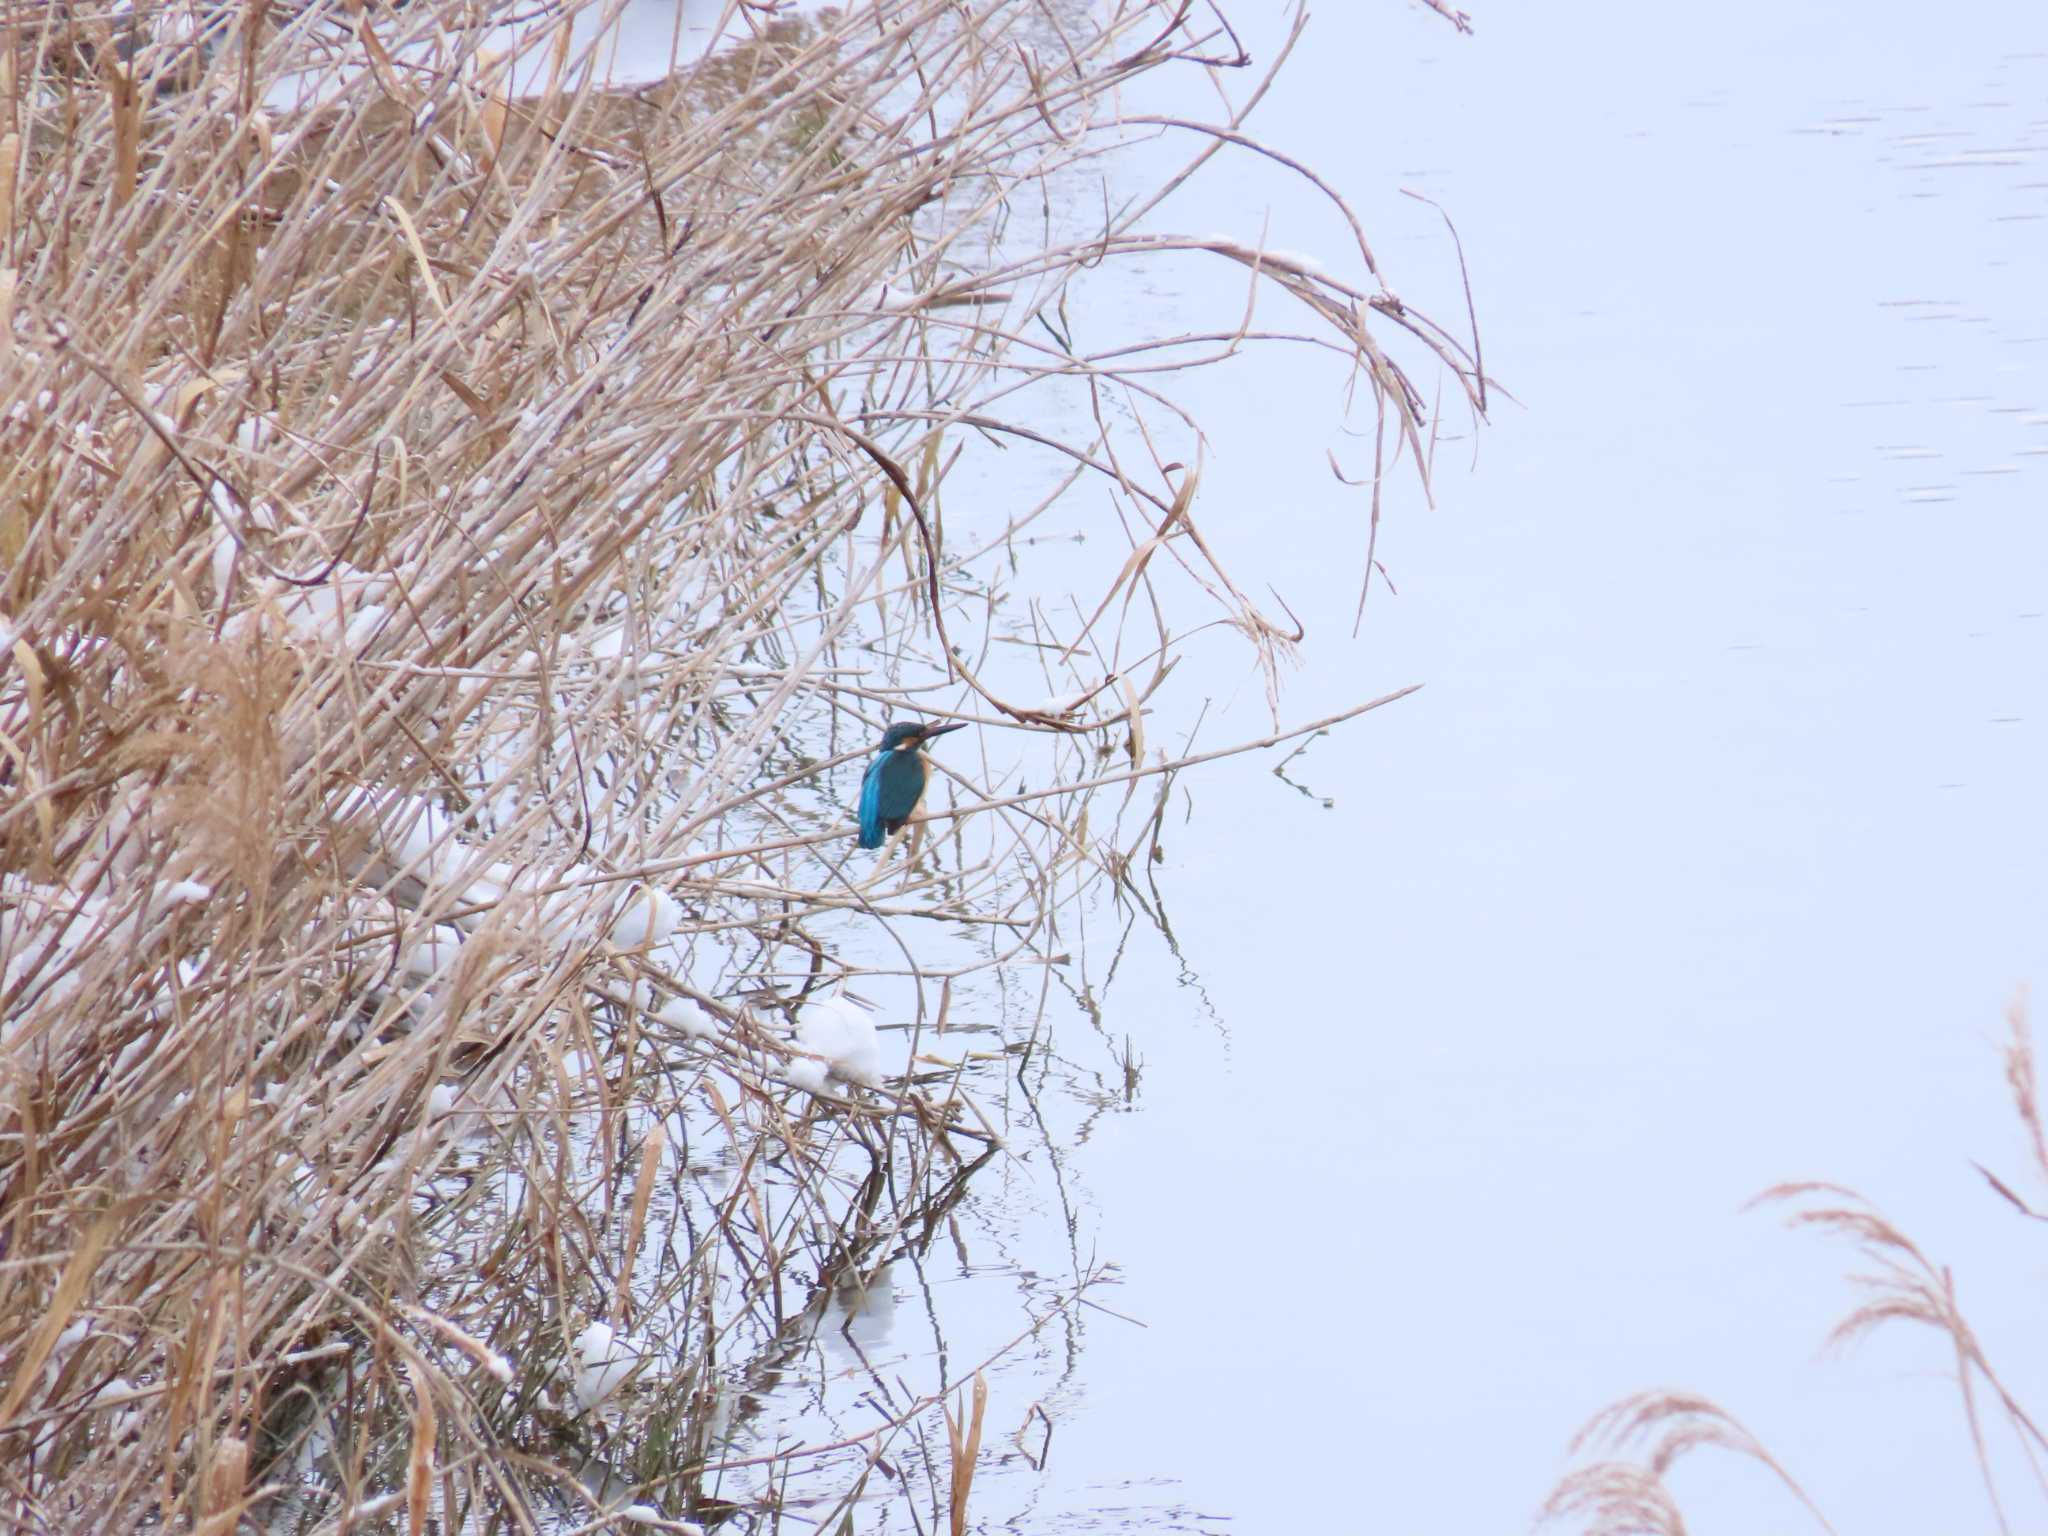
{"points": [[453, 519]]}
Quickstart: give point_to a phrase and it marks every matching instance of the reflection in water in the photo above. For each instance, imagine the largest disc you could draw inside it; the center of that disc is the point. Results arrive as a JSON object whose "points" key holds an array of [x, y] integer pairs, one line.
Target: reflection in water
{"points": [[857, 1325]]}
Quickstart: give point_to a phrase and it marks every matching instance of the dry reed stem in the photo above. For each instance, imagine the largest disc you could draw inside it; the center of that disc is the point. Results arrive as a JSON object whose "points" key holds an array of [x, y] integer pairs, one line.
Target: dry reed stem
{"points": [[451, 521], [963, 1443], [419, 1481]]}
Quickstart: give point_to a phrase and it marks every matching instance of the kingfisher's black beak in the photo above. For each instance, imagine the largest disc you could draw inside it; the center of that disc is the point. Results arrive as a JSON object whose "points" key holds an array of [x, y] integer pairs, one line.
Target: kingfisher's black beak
{"points": [[932, 731]]}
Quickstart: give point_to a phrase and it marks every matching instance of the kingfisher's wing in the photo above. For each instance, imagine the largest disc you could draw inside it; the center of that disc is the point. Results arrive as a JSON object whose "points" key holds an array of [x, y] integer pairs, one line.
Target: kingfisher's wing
{"points": [[901, 775], [871, 803]]}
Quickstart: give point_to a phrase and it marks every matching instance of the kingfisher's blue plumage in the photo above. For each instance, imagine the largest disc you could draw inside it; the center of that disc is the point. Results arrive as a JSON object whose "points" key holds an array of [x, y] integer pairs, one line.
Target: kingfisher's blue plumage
{"points": [[894, 782]]}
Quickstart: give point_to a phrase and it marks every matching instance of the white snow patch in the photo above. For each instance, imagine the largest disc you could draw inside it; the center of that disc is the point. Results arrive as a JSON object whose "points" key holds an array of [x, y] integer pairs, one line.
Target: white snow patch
{"points": [[1302, 263], [428, 957], [39, 916], [650, 916], [224, 551], [807, 1074], [364, 626], [1062, 703], [371, 1508], [647, 1514], [173, 28], [129, 1055], [422, 826], [838, 1029], [680, 1013], [604, 1359]]}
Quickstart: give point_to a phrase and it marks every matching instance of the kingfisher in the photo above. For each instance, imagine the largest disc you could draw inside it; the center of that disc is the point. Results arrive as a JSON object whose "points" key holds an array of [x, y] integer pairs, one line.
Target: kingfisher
{"points": [[895, 780]]}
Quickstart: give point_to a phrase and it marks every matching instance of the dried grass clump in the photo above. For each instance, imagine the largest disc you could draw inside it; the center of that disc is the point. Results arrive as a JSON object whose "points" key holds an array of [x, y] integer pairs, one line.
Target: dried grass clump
{"points": [[1900, 1283], [450, 518]]}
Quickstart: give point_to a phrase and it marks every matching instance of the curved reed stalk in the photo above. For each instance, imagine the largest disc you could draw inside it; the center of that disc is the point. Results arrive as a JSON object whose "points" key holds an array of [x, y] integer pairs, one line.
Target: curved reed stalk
{"points": [[1621, 1490]]}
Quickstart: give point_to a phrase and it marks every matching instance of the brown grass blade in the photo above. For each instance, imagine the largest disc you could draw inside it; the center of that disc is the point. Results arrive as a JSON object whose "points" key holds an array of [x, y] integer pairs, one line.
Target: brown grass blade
{"points": [[963, 1441], [71, 1288], [419, 1470]]}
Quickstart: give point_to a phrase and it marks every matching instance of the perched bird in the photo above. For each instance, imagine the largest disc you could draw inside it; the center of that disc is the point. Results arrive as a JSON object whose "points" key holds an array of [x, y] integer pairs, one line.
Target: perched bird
{"points": [[895, 780]]}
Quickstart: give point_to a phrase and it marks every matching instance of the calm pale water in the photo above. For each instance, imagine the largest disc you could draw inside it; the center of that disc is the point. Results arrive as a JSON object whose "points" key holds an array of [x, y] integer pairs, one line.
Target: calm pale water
{"points": [[1707, 857]]}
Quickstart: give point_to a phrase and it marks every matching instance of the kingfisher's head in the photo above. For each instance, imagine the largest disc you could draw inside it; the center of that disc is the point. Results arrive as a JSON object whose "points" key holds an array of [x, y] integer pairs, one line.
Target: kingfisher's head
{"points": [[909, 735]]}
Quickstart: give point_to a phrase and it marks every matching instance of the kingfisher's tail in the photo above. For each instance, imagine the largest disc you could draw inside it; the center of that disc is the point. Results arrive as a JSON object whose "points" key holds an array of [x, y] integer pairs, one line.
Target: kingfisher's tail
{"points": [[871, 807]]}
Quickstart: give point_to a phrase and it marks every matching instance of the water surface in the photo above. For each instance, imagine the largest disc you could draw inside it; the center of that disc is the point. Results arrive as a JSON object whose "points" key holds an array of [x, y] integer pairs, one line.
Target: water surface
{"points": [[1711, 850]]}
